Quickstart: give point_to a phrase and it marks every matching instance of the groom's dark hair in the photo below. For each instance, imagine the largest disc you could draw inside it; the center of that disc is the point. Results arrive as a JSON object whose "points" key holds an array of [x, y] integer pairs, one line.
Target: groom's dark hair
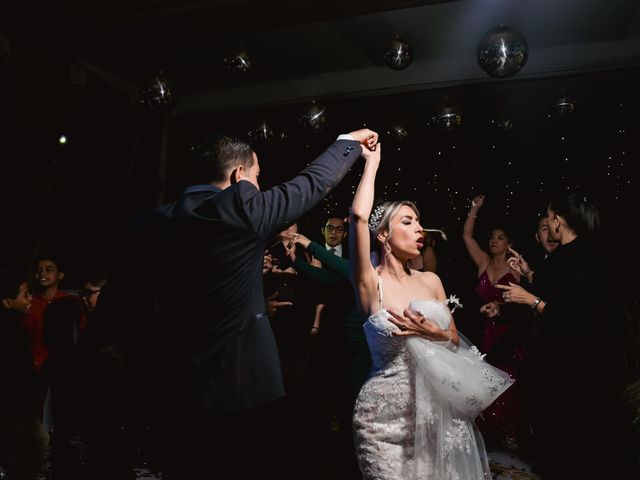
{"points": [[217, 155]]}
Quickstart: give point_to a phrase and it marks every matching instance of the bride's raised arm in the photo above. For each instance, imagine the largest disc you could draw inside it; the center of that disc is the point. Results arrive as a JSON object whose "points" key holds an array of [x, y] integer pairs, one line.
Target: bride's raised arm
{"points": [[361, 272]]}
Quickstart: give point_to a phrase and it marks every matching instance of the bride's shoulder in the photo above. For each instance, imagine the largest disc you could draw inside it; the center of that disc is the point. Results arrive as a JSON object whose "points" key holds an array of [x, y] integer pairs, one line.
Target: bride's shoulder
{"points": [[428, 277]]}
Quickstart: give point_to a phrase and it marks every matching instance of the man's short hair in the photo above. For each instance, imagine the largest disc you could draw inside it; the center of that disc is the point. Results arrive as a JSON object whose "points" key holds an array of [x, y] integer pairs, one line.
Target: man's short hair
{"points": [[217, 155], [52, 258]]}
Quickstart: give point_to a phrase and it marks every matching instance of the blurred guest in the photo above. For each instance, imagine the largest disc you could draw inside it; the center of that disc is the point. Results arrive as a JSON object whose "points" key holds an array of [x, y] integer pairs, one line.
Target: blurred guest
{"points": [[22, 435], [107, 393], [349, 353]]}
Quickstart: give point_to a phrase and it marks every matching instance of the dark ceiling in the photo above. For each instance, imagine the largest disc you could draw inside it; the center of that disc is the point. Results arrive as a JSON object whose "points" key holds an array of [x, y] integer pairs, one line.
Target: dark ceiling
{"points": [[304, 49]]}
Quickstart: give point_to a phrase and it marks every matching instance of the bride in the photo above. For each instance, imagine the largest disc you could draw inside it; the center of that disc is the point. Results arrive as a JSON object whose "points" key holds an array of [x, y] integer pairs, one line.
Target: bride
{"points": [[414, 416]]}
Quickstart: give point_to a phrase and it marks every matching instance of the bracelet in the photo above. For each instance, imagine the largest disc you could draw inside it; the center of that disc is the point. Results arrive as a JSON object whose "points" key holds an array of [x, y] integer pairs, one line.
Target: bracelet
{"points": [[472, 216], [535, 303]]}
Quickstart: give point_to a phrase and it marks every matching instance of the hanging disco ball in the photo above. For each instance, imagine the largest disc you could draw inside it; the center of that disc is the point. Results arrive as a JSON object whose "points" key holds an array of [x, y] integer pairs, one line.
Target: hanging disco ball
{"points": [[564, 104], [239, 61], [157, 93], [502, 52], [504, 125], [447, 117], [399, 55], [313, 116], [263, 132], [398, 133]]}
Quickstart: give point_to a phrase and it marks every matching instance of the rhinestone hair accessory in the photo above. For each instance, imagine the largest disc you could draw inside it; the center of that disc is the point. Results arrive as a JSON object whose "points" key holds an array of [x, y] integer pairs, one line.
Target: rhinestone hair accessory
{"points": [[376, 215]]}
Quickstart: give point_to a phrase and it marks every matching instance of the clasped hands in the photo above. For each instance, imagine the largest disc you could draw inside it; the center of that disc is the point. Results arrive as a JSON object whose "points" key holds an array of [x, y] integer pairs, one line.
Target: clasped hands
{"points": [[295, 237], [367, 138]]}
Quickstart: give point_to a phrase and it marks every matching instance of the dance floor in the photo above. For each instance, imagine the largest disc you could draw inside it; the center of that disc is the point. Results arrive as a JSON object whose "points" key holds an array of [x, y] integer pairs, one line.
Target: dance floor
{"points": [[504, 466]]}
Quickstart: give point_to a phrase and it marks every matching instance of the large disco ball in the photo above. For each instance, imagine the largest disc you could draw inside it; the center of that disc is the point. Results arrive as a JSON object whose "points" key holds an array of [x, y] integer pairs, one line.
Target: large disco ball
{"points": [[399, 54], [239, 61], [313, 116], [502, 52], [157, 93]]}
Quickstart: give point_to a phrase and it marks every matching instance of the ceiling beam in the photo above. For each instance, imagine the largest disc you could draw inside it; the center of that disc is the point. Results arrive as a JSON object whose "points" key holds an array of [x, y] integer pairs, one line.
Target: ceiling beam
{"points": [[421, 75]]}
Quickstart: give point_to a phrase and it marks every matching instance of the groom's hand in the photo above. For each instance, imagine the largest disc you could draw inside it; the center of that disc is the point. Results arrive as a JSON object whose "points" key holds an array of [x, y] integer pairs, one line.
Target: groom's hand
{"points": [[367, 138]]}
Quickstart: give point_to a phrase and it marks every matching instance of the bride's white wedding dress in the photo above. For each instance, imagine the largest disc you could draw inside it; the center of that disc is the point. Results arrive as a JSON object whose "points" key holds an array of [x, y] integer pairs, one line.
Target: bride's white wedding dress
{"points": [[413, 419]]}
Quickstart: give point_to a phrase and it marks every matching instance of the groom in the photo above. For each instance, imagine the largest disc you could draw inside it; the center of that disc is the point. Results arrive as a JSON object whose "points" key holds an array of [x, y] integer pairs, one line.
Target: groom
{"points": [[219, 369]]}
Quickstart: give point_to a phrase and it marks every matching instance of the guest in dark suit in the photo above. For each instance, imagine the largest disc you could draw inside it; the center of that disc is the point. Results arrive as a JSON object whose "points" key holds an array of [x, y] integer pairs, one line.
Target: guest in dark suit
{"points": [[576, 361], [201, 258], [334, 232]]}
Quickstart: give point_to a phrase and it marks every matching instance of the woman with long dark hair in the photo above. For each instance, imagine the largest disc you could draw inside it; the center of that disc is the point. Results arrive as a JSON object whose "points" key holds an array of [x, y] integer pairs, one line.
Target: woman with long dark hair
{"points": [[574, 371]]}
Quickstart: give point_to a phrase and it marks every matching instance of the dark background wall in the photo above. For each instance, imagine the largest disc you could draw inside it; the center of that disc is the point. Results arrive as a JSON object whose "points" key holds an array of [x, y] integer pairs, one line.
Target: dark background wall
{"points": [[76, 199]]}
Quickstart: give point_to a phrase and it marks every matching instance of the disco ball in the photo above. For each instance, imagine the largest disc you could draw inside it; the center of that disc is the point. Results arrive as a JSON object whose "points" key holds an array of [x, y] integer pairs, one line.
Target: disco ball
{"points": [[502, 52], [263, 132], [158, 93], [447, 117], [399, 55], [564, 104], [313, 116], [398, 133], [239, 61], [504, 125]]}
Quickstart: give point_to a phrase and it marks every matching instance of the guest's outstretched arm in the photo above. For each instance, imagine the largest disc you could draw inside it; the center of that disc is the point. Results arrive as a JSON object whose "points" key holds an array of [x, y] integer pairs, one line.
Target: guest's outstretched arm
{"points": [[479, 256]]}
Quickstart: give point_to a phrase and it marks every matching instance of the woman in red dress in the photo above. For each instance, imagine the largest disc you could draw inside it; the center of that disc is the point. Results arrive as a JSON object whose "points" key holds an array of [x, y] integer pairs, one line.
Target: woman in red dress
{"points": [[502, 424]]}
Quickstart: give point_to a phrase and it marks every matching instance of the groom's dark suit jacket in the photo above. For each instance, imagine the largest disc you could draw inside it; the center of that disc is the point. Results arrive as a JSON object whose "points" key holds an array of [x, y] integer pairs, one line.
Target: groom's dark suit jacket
{"points": [[203, 255]]}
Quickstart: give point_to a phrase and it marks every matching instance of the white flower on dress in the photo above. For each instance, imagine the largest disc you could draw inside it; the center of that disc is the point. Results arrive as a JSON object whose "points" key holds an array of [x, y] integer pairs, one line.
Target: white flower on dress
{"points": [[455, 301], [477, 353]]}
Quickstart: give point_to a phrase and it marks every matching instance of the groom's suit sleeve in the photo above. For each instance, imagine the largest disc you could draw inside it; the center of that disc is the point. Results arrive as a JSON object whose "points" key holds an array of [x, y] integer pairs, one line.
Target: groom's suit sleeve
{"points": [[270, 211]]}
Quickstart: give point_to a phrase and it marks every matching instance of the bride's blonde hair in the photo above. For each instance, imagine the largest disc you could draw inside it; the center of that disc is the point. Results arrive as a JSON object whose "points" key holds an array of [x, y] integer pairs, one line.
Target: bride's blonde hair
{"points": [[380, 220]]}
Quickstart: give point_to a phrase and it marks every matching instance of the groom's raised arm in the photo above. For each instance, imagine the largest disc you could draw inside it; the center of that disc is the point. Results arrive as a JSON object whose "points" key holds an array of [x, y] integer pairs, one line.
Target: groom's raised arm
{"points": [[271, 210]]}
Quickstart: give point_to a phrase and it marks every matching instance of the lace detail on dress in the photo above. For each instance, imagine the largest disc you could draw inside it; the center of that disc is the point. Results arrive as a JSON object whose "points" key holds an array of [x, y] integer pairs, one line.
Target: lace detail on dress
{"points": [[413, 419], [457, 437]]}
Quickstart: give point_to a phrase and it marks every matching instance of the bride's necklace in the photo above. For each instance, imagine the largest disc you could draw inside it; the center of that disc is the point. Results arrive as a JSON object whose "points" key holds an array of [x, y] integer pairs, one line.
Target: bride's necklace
{"points": [[394, 274]]}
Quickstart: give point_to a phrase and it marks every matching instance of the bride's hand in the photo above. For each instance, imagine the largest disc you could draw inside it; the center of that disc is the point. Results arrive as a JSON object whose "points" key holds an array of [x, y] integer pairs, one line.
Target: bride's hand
{"points": [[372, 157], [411, 323]]}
